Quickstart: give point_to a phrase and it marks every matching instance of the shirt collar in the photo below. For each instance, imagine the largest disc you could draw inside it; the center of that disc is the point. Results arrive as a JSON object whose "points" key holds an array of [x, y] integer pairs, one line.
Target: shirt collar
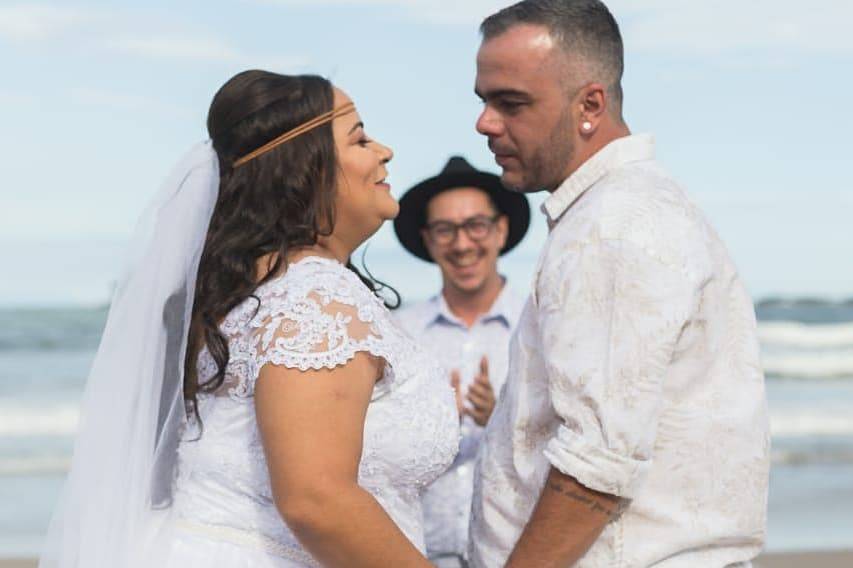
{"points": [[634, 148], [501, 310], [443, 314]]}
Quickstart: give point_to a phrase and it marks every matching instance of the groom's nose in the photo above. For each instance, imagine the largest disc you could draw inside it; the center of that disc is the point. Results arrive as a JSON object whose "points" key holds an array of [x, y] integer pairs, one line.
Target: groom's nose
{"points": [[490, 123]]}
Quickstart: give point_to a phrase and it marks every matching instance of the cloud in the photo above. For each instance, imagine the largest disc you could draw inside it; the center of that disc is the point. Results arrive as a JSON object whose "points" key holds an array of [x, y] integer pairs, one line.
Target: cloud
{"points": [[449, 12], [13, 98], [39, 22], [709, 27], [705, 27], [178, 48], [202, 49], [106, 99], [732, 26], [116, 32]]}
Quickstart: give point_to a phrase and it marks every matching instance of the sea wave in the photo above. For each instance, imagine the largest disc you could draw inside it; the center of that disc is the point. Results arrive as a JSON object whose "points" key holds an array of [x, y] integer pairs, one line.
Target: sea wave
{"points": [[34, 465], [59, 419], [18, 418], [806, 455], [837, 365], [43, 465], [805, 336], [790, 423], [800, 436], [813, 311], [809, 351], [51, 329]]}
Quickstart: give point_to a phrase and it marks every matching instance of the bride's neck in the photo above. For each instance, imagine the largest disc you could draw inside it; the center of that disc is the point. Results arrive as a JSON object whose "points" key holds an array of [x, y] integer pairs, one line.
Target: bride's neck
{"points": [[325, 247]]}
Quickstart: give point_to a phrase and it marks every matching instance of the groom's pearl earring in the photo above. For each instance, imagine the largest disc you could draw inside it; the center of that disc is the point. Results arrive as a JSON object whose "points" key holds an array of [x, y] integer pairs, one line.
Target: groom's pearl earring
{"points": [[587, 126]]}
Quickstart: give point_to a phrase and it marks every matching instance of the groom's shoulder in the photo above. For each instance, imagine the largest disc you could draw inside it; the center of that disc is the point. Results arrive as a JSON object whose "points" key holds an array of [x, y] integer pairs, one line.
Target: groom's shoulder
{"points": [[644, 185], [641, 203], [642, 192]]}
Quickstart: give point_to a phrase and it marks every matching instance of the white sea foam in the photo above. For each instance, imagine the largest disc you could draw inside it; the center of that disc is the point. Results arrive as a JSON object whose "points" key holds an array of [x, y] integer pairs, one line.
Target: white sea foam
{"points": [[799, 422], [809, 365], [58, 419], [34, 465], [809, 351], [837, 421], [805, 336]]}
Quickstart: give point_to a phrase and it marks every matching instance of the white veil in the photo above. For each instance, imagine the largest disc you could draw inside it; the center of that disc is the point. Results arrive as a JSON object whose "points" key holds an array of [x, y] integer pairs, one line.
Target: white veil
{"points": [[118, 491]]}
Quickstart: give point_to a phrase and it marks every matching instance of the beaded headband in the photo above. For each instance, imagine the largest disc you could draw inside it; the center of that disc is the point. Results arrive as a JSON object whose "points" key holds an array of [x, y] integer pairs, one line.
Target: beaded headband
{"points": [[301, 129]]}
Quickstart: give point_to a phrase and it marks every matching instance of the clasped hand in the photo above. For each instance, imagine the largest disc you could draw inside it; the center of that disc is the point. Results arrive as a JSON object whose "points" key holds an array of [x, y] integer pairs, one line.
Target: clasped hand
{"points": [[480, 395]]}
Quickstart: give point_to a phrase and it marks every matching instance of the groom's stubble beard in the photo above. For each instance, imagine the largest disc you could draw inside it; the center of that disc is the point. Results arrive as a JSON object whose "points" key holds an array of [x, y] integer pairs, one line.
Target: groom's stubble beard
{"points": [[548, 166]]}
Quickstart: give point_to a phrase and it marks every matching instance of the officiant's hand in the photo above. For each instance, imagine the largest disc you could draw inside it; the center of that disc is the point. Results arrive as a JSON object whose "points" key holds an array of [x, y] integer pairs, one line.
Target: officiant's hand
{"points": [[481, 395]]}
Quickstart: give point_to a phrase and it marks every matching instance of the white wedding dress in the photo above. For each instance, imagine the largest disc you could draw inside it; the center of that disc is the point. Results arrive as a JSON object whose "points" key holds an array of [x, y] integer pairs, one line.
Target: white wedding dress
{"points": [[316, 315]]}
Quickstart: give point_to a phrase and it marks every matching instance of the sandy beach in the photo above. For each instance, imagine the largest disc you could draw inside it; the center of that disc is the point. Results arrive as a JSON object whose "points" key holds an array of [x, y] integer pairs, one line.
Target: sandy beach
{"points": [[835, 559], [841, 559]]}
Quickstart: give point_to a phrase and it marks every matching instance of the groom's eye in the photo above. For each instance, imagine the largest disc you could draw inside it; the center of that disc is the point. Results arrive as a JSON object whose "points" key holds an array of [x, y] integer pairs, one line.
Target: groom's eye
{"points": [[510, 105]]}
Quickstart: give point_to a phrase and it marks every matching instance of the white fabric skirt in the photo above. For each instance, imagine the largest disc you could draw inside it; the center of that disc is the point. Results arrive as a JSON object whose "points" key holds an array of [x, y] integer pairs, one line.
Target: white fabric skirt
{"points": [[186, 545]]}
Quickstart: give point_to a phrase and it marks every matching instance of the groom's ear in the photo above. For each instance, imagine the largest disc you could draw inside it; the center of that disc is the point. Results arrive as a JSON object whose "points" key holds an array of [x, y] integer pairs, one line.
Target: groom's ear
{"points": [[591, 107]]}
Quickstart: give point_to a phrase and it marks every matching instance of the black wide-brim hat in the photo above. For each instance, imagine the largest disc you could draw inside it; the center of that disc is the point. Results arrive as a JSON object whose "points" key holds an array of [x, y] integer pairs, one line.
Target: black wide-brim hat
{"points": [[458, 173]]}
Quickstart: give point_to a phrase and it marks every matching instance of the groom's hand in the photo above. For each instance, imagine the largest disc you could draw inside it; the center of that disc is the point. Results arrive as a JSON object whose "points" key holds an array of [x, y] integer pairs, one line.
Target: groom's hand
{"points": [[481, 395]]}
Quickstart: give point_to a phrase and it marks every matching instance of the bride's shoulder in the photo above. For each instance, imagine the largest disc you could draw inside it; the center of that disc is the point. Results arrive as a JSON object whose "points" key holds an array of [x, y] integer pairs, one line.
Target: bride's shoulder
{"points": [[317, 314], [319, 278]]}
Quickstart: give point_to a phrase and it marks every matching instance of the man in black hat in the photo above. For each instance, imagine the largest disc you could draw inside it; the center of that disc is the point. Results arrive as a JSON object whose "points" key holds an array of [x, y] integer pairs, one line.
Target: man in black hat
{"points": [[463, 220]]}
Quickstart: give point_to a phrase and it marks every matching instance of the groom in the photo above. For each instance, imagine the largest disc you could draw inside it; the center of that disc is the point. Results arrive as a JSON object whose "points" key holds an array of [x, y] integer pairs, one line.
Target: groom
{"points": [[632, 430]]}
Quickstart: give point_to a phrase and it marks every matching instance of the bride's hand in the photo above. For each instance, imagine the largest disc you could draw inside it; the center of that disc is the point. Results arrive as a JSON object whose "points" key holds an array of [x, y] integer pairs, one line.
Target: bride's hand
{"points": [[455, 382]]}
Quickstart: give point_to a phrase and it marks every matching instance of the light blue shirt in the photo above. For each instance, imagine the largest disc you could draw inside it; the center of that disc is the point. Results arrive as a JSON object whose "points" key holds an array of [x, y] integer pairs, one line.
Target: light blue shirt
{"points": [[447, 501]]}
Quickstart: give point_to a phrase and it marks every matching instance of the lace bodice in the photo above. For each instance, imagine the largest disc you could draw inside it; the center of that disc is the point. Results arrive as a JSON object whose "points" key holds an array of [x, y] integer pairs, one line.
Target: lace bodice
{"points": [[317, 315]]}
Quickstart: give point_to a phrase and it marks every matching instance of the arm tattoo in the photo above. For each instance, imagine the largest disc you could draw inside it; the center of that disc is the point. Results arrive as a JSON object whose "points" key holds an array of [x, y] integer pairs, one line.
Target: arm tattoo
{"points": [[610, 510]]}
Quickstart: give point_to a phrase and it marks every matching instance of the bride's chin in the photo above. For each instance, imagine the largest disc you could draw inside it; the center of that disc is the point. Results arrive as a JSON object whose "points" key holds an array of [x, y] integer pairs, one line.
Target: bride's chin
{"points": [[376, 226], [390, 213]]}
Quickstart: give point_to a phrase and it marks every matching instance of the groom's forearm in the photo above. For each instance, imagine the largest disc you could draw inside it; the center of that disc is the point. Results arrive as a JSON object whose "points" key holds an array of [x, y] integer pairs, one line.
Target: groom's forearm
{"points": [[567, 520]]}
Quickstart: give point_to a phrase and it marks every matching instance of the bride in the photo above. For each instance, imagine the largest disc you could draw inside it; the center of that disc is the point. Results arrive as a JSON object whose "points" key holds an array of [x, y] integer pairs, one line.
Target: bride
{"points": [[252, 402]]}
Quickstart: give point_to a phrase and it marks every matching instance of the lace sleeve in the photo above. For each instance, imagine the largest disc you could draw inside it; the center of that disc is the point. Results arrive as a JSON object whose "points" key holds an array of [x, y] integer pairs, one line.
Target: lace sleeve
{"points": [[318, 329]]}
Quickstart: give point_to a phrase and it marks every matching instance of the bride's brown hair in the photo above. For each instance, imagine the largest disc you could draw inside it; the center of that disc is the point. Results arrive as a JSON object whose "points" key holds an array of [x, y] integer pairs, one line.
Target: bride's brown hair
{"points": [[278, 201]]}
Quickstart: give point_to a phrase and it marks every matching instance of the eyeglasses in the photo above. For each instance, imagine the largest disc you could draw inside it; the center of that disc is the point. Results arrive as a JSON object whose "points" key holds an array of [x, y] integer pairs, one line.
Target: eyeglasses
{"points": [[445, 232]]}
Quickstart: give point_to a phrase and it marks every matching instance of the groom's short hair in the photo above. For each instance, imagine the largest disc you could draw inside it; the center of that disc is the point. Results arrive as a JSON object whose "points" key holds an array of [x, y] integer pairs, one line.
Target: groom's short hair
{"points": [[585, 29]]}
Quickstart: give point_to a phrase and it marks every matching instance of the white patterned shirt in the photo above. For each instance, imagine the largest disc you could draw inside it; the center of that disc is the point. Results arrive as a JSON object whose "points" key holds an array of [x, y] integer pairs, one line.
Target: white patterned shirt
{"points": [[447, 502], [635, 370]]}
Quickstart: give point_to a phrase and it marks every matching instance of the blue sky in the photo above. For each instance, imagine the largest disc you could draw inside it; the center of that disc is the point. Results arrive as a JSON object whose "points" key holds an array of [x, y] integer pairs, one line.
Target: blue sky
{"points": [[749, 103]]}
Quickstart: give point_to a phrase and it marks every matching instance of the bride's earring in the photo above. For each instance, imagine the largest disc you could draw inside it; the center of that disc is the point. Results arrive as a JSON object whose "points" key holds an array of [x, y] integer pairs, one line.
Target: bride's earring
{"points": [[586, 125]]}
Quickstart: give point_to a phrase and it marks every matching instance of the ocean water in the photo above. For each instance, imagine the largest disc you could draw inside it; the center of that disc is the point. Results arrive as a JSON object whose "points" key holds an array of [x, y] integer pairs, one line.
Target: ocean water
{"points": [[807, 350]]}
